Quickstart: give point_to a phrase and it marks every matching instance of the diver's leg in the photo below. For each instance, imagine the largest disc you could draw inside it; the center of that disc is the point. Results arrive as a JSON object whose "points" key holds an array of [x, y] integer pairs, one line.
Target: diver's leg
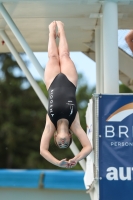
{"points": [[52, 68], [66, 64]]}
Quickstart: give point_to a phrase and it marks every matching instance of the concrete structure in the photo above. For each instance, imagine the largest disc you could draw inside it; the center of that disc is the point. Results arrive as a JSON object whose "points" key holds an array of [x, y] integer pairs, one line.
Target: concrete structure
{"points": [[80, 24]]}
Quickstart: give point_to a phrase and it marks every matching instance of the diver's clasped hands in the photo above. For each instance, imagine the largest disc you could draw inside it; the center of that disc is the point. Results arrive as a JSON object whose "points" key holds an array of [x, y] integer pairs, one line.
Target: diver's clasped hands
{"points": [[67, 164]]}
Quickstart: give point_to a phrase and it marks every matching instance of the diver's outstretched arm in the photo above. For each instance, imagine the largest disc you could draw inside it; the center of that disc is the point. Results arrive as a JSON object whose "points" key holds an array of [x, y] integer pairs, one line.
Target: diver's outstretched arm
{"points": [[84, 140], [44, 145]]}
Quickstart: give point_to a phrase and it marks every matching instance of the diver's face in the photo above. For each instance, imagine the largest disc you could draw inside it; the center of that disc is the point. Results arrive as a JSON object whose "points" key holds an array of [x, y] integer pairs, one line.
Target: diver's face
{"points": [[62, 139]]}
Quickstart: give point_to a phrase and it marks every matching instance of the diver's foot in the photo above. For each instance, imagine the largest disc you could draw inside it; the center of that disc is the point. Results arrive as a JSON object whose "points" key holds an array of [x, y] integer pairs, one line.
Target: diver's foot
{"points": [[60, 26], [52, 28]]}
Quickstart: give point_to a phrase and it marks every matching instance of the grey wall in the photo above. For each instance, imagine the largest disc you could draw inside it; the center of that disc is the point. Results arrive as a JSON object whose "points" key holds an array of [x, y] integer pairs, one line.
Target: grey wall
{"points": [[41, 194]]}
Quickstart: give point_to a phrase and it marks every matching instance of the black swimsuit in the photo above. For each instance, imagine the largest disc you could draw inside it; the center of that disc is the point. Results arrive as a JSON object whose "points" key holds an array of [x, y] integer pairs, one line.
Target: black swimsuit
{"points": [[62, 101]]}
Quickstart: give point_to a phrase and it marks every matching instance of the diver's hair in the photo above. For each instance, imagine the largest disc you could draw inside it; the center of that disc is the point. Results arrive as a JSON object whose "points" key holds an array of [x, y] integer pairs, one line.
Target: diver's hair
{"points": [[69, 142]]}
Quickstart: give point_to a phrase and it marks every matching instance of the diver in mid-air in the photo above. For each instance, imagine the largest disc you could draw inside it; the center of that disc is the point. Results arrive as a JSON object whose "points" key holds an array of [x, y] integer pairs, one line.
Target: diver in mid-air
{"points": [[61, 81]]}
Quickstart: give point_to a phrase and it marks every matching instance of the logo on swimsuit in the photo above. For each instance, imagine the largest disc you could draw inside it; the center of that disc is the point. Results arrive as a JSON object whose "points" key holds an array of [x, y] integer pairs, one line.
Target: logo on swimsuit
{"points": [[71, 107], [51, 103]]}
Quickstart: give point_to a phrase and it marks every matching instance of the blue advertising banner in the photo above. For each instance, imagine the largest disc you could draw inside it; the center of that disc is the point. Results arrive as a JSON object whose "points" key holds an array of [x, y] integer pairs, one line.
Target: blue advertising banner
{"points": [[116, 147]]}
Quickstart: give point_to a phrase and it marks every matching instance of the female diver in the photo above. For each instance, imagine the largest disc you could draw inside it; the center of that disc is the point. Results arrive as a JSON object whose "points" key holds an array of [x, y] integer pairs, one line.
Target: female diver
{"points": [[61, 81]]}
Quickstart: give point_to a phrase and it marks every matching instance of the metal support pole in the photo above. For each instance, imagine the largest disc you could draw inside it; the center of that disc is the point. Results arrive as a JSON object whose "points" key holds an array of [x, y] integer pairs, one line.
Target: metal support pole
{"points": [[98, 64], [110, 47], [21, 40], [25, 70], [101, 57], [35, 86]]}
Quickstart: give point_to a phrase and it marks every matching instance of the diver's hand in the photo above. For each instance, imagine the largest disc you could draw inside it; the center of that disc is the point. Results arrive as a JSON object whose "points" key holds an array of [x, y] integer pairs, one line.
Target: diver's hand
{"points": [[72, 162], [63, 163]]}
